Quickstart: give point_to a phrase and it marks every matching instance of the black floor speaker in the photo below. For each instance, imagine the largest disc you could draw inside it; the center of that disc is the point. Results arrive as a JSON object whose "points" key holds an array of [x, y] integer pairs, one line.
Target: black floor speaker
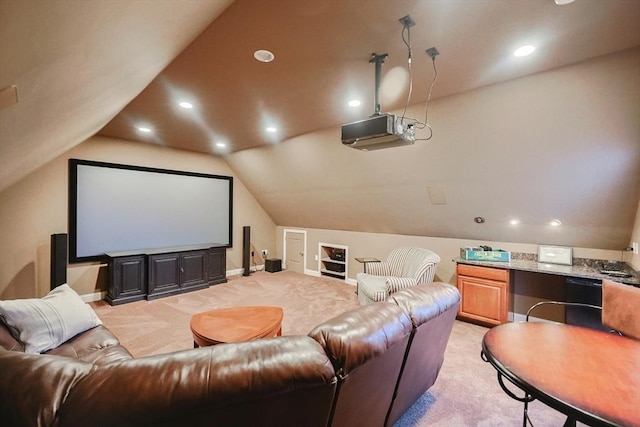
{"points": [[58, 259], [246, 250]]}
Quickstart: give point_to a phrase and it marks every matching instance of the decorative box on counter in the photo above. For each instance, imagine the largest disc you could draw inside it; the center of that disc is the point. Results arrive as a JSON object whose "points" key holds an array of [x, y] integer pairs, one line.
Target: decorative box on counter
{"points": [[479, 254]]}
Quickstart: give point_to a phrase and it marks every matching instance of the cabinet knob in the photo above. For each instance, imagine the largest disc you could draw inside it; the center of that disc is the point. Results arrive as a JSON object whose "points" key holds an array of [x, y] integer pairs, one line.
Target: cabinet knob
{"points": [[181, 269]]}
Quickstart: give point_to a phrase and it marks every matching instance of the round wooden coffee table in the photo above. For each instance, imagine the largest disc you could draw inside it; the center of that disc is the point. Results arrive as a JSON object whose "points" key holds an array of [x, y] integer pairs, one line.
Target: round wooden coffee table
{"points": [[235, 324]]}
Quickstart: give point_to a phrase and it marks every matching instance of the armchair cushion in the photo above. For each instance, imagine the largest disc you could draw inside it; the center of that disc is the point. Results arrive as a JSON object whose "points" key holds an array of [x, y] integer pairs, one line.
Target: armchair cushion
{"points": [[395, 284], [381, 268]]}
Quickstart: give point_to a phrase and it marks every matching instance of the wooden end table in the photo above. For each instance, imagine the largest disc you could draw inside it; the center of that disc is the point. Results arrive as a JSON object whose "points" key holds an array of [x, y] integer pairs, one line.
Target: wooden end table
{"points": [[236, 324]]}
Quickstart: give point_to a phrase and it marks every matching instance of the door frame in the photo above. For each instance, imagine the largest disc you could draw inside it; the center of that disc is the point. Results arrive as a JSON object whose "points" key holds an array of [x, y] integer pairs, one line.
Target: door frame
{"points": [[304, 245]]}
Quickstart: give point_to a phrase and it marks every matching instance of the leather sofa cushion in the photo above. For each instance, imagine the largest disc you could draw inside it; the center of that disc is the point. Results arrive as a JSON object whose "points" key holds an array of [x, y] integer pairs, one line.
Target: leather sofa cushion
{"points": [[355, 337], [34, 386], [257, 382], [97, 346], [425, 302]]}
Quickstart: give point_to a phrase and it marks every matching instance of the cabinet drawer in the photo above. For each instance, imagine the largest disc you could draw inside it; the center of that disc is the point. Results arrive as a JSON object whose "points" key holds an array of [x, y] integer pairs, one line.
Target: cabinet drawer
{"points": [[499, 274]]}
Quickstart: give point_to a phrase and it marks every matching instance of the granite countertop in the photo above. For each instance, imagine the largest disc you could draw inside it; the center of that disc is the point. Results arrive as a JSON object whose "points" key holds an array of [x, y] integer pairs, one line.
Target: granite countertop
{"points": [[578, 270]]}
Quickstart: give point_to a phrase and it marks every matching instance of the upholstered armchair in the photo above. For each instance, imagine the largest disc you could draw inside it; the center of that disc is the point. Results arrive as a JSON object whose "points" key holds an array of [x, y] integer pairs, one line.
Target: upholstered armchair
{"points": [[403, 268]]}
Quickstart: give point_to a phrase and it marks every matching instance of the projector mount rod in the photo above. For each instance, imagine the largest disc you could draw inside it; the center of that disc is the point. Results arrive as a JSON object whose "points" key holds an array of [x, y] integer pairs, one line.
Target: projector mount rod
{"points": [[378, 60]]}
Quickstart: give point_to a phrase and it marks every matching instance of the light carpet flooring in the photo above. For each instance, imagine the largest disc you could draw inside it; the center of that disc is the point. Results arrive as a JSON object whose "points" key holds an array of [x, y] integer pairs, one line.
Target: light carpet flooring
{"points": [[466, 392]]}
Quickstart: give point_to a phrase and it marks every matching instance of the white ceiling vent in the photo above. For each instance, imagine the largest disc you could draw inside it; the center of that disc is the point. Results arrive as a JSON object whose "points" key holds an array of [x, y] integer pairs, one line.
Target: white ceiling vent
{"points": [[436, 195]]}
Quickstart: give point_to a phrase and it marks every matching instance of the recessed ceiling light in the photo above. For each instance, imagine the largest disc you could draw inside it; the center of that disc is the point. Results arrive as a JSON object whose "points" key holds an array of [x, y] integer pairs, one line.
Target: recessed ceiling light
{"points": [[514, 221], [271, 129], [144, 129], [185, 104], [263, 55], [563, 2], [221, 144], [524, 50], [354, 103], [555, 223]]}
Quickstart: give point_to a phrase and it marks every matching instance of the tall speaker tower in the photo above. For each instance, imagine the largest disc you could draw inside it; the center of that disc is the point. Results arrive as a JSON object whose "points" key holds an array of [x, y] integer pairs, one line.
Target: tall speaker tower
{"points": [[246, 250]]}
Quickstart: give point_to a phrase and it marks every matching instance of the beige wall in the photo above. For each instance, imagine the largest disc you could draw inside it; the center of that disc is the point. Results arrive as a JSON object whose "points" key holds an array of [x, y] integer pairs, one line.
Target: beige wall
{"points": [[631, 258], [559, 144], [379, 245], [36, 207]]}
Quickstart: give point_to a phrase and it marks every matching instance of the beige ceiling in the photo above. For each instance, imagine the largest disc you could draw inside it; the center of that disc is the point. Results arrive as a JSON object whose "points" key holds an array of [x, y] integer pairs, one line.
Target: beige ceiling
{"points": [[77, 63], [562, 142], [322, 50]]}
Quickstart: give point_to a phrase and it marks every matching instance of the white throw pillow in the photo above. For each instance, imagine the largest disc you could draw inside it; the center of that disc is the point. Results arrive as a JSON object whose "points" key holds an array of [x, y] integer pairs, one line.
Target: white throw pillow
{"points": [[45, 323]]}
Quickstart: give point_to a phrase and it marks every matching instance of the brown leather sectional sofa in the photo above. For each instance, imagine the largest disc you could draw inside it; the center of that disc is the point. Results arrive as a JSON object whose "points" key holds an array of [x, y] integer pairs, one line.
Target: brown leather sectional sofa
{"points": [[365, 367]]}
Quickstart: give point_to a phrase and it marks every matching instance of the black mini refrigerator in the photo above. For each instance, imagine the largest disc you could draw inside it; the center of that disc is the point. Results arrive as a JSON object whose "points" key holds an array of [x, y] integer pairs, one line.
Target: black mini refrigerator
{"points": [[586, 291]]}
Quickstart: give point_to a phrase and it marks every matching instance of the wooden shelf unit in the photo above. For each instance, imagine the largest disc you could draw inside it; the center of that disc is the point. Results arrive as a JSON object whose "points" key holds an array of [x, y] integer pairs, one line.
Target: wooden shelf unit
{"points": [[333, 260]]}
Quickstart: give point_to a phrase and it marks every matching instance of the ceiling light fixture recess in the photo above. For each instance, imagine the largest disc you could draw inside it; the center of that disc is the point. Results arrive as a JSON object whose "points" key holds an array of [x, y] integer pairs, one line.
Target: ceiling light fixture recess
{"points": [[555, 223], [354, 103], [271, 129], [185, 104], [144, 129], [263, 55], [524, 50]]}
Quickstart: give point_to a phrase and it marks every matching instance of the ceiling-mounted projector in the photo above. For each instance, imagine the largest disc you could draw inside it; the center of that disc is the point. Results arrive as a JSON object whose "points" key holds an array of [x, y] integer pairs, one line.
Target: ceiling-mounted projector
{"points": [[380, 130], [375, 133]]}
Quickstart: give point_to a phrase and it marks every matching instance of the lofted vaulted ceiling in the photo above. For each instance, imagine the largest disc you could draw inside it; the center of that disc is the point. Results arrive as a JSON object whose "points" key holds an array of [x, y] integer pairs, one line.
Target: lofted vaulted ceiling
{"points": [[107, 67], [322, 49]]}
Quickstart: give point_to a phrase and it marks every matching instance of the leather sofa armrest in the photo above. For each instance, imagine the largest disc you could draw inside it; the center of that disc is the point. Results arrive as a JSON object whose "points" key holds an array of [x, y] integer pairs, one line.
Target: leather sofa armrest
{"points": [[97, 345], [34, 386]]}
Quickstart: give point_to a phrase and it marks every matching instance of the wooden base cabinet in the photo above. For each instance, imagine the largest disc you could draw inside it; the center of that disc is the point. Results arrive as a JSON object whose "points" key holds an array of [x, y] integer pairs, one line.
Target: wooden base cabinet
{"points": [[127, 279], [155, 275], [485, 294]]}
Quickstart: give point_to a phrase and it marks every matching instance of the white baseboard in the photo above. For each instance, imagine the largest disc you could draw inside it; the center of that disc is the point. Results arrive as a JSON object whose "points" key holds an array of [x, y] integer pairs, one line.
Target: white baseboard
{"points": [[236, 272], [96, 296], [517, 317], [316, 273], [239, 271]]}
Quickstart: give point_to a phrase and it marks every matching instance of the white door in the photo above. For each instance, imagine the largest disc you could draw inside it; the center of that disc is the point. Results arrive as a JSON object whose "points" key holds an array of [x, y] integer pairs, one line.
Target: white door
{"points": [[294, 249]]}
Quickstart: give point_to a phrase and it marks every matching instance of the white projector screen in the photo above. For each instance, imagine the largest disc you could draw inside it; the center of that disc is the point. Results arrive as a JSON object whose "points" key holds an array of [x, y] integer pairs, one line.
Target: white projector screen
{"points": [[120, 208]]}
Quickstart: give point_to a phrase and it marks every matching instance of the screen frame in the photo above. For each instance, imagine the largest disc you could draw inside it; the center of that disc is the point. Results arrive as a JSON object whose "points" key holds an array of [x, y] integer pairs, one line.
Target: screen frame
{"points": [[73, 199]]}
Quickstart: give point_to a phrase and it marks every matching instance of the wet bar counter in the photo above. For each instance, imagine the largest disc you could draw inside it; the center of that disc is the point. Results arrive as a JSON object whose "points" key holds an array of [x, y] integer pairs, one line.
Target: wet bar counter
{"points": [[587, 270]]}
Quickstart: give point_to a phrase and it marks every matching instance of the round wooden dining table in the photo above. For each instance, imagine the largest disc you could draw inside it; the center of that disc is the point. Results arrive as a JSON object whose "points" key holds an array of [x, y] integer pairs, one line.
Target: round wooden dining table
{"points": [[591, 376]]}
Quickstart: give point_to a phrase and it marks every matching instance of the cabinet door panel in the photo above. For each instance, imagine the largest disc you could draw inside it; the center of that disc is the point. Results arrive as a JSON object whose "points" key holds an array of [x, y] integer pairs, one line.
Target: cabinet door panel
{"points": [[217, 265], [483, 300], [127, 280], [193, 268], [131, 276], [164, 273]]}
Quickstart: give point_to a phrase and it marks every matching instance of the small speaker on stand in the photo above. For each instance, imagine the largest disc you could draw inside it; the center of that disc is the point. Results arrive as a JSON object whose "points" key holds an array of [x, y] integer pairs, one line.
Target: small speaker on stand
{"points": [[246, 250], [58, 259]]}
